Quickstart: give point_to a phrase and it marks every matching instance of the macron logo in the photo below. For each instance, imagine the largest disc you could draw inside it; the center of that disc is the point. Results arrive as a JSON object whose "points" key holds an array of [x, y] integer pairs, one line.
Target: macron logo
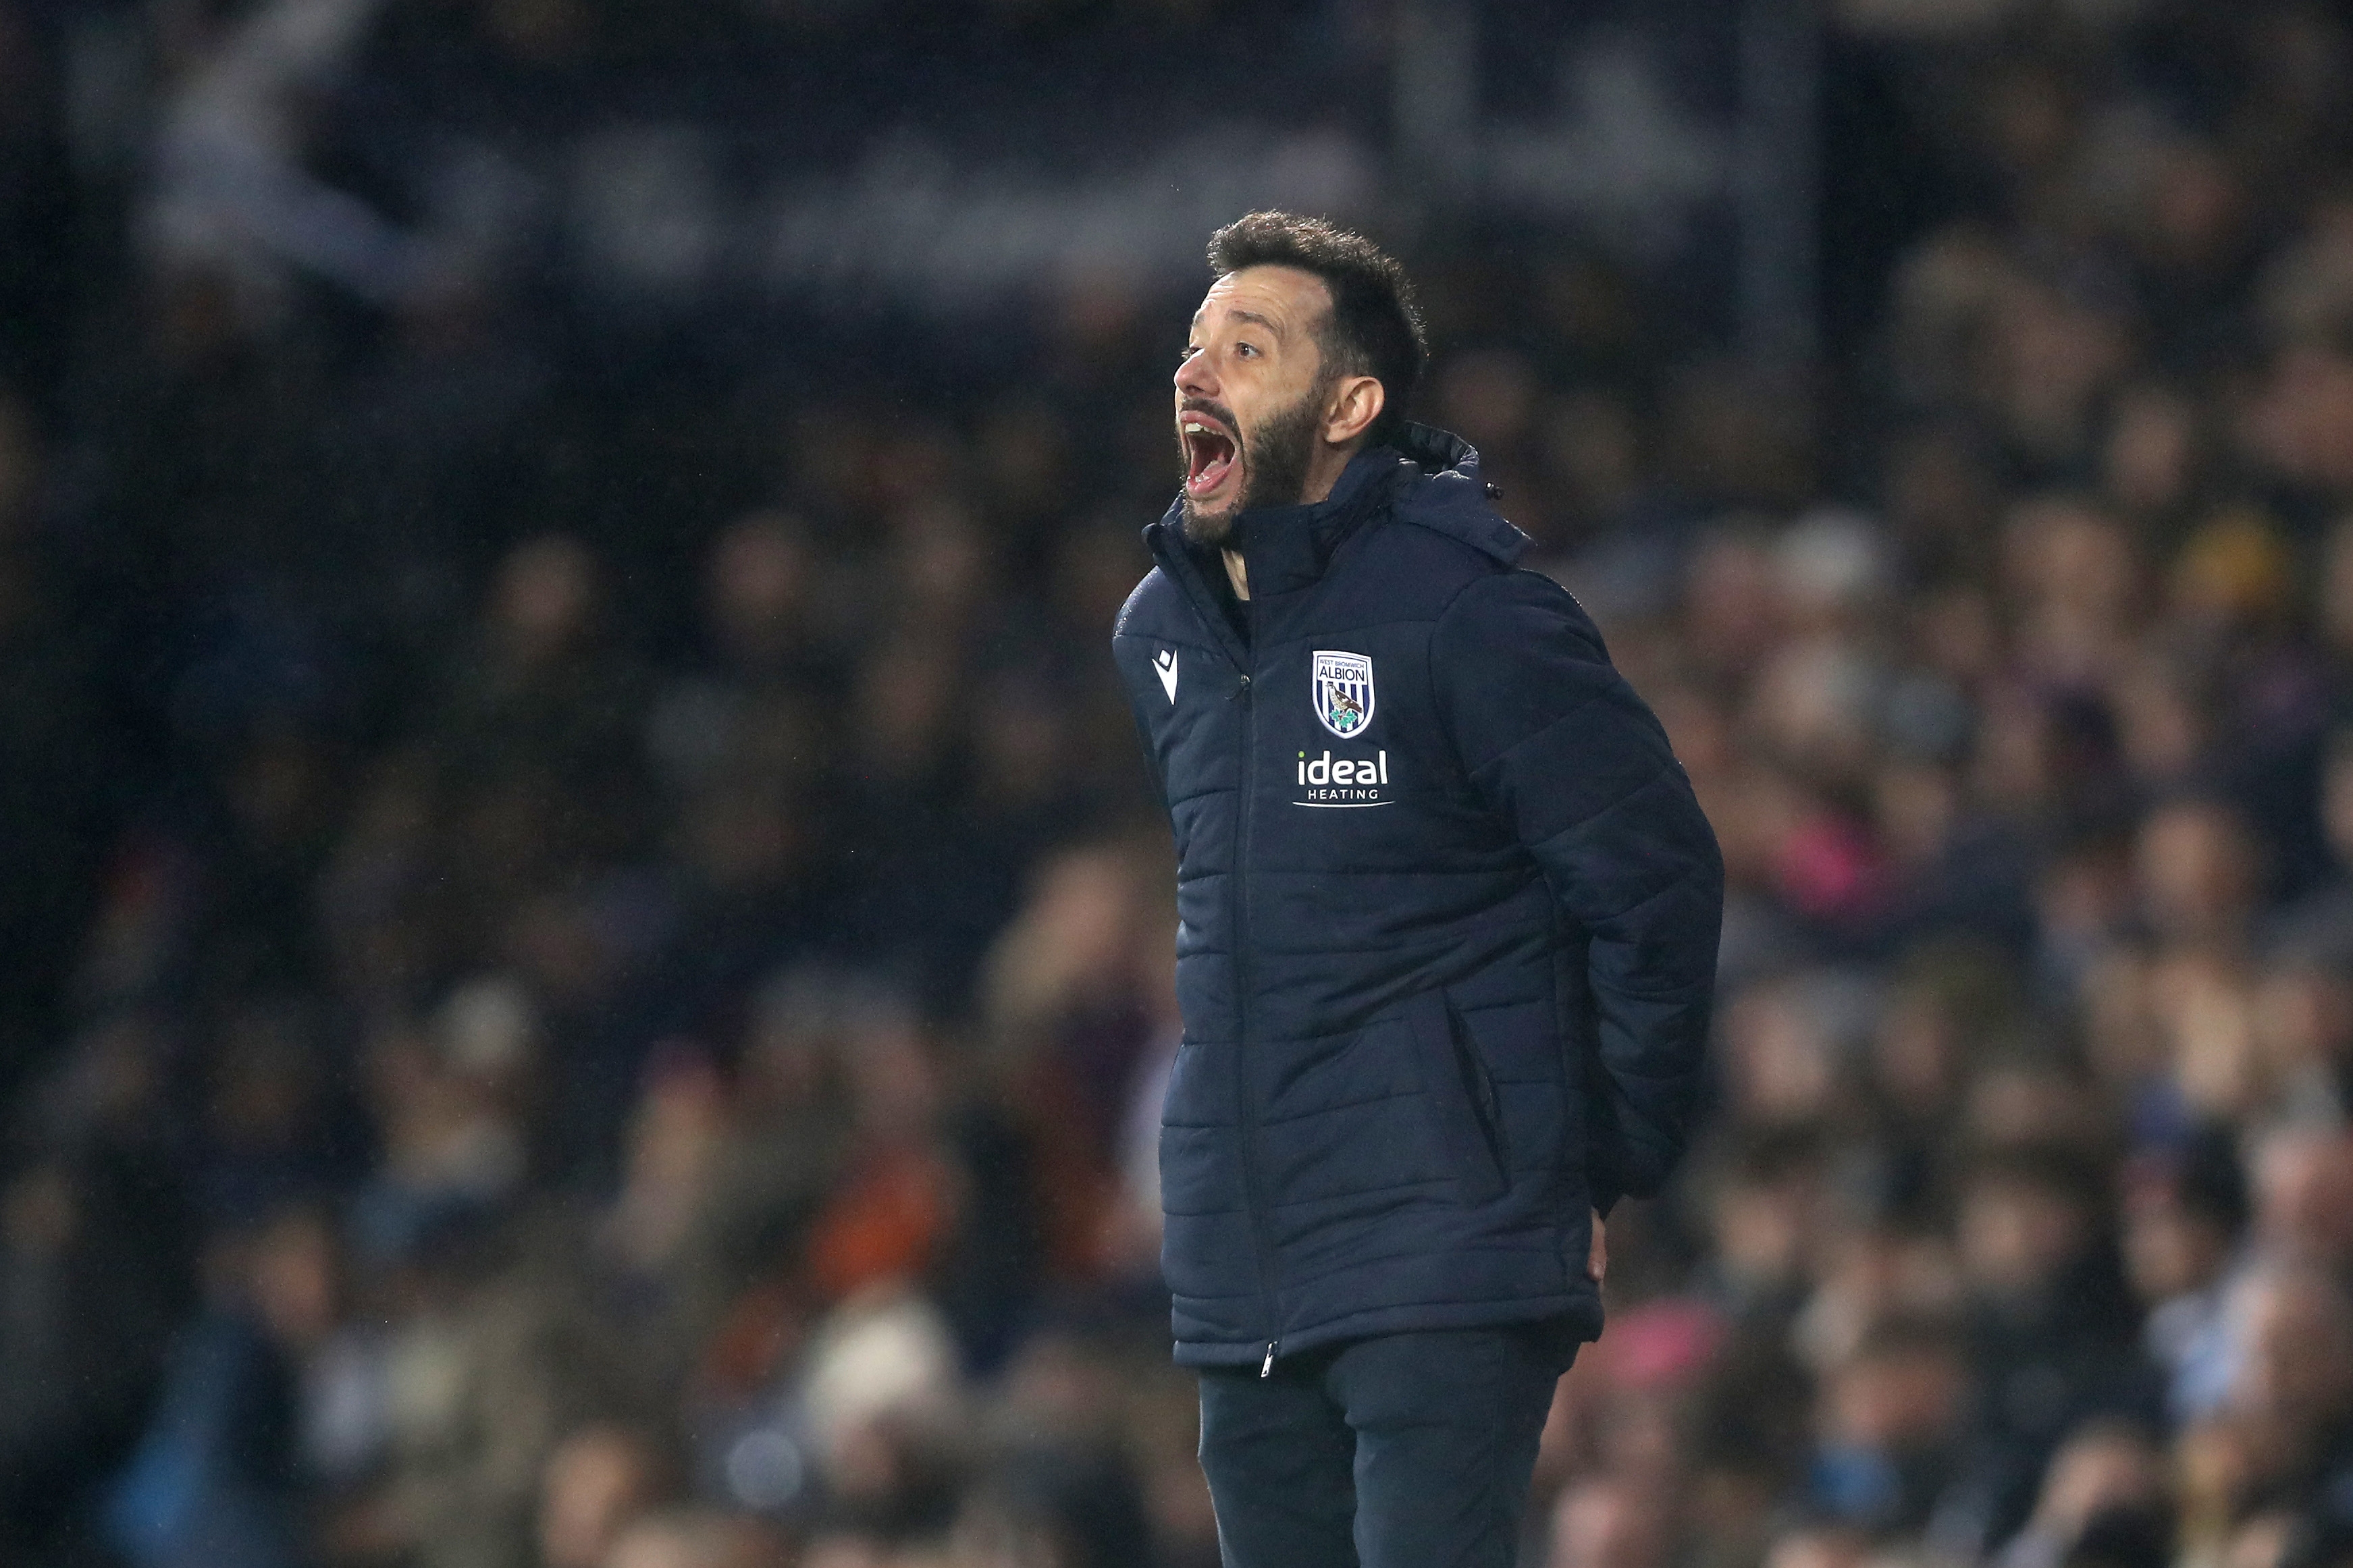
{"points": [[1164, 662]]}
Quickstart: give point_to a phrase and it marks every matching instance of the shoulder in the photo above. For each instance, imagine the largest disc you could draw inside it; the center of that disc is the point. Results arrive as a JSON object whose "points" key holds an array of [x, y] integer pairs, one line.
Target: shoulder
{"points": [[1516, 600], [1156, 608], [1519, 627], [1516, 605]]}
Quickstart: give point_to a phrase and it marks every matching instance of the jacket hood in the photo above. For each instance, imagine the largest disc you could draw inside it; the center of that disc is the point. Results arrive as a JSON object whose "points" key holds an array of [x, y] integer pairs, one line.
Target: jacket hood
{"points": [[1441, 491]]}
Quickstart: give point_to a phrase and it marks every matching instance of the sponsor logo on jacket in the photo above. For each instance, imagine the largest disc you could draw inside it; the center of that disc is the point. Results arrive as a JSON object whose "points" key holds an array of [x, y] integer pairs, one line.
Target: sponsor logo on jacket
{"points": [[1328, 780]]}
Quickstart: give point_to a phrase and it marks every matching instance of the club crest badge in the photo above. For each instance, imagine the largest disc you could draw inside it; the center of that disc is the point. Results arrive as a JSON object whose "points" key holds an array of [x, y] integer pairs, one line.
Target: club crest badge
{"points": [[1344, 693]]}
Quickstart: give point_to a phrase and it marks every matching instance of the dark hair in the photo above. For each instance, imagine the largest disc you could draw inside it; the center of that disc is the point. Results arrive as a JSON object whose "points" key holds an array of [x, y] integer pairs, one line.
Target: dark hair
{"points": [[1375, 327]]}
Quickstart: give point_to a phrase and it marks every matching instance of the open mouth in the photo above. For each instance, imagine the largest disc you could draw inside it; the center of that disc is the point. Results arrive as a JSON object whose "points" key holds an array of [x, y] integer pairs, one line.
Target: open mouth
{"points": [[1208, 454]]}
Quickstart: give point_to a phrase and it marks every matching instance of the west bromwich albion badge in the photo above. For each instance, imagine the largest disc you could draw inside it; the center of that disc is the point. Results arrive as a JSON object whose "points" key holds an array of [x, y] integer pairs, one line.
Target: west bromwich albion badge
{"points": [[1344, 693]]}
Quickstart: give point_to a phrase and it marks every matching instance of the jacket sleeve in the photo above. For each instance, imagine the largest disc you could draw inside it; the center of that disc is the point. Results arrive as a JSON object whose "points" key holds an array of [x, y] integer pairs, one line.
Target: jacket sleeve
{"points": [[1558, 745], [1128, 657]]}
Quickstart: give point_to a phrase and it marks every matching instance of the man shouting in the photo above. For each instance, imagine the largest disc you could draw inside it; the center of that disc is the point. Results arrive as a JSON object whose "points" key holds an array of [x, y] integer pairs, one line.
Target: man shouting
{"points": [[1449, 929]]}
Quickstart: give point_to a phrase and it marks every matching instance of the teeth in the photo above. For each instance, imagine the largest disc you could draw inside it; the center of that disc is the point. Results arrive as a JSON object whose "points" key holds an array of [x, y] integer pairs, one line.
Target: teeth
{"points": [[1196, 429]]}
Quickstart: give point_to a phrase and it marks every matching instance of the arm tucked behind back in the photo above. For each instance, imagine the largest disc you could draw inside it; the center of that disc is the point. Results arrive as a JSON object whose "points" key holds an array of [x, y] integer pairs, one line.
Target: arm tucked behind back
{"points": [[1559, 745]]}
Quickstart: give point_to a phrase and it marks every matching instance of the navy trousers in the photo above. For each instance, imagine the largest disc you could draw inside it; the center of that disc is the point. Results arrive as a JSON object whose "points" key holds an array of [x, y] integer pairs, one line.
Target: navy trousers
{"points": [[1400, 1451]]}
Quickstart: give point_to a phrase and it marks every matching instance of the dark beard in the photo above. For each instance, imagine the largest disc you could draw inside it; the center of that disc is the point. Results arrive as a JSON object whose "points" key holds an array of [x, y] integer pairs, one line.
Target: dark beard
{"points": [[1274, 459]]}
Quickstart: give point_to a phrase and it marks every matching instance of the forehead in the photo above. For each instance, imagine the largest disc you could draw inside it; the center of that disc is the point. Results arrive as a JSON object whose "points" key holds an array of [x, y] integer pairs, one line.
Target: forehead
{"points": [[1293, 300]]}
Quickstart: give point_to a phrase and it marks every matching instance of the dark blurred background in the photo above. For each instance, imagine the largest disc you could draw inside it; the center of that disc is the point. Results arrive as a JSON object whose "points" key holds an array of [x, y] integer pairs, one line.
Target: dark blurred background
{"points": [[584, 948]]}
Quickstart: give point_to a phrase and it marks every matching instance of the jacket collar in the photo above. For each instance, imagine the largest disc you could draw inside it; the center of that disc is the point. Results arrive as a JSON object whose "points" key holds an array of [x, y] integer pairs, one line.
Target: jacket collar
{"points": [[1286, 548]]}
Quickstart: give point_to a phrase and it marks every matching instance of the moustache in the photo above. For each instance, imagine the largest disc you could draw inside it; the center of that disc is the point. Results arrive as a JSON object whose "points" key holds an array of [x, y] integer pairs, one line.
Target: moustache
{"points": [[1215, 410]]}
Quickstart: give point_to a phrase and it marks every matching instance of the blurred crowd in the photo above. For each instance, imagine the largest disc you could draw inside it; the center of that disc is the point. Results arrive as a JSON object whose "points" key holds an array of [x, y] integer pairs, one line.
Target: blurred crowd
{"points": [[585, 965]]}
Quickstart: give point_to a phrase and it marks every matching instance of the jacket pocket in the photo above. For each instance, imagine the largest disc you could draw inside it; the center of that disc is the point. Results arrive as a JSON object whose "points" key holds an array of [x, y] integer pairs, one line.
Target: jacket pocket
{"points": [[1459, 1093]]}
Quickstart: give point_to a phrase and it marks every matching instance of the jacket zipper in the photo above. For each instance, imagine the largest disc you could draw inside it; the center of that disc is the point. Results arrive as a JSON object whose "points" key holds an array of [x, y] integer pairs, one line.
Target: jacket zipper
{"points": [[1245, 1115], [1241, 653]]}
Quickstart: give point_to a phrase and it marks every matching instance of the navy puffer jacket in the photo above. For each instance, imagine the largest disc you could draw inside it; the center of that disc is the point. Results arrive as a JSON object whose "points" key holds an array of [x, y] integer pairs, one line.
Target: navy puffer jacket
{"points": [[1449, 919]]}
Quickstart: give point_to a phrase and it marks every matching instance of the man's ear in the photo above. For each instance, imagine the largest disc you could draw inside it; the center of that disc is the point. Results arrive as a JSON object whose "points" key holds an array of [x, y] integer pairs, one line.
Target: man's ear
{"points": [[1356, 402]]}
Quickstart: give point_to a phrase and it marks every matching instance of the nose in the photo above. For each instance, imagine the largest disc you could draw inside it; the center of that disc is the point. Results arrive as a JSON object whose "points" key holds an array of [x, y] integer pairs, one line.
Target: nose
{"points": [[1194, 376]]}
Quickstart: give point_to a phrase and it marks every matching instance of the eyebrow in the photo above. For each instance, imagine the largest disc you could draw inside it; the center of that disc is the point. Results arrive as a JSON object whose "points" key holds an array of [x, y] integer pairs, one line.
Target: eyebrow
{"points": [[1268, 323]]}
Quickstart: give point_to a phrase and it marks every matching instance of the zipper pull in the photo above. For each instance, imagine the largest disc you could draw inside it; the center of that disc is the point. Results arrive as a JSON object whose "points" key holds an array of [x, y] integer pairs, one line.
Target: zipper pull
{"points": [[1266, 1368], [1242, 692]]}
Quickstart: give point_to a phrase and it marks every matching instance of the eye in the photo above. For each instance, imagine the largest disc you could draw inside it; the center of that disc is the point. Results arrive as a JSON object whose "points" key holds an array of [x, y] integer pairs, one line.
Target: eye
{"points": [[1246, 351], [1187, 351]]}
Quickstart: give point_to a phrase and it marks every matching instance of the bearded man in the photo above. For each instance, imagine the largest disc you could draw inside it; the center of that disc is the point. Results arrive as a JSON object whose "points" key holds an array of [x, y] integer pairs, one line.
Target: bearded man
{"points": [[1449, 919]]}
